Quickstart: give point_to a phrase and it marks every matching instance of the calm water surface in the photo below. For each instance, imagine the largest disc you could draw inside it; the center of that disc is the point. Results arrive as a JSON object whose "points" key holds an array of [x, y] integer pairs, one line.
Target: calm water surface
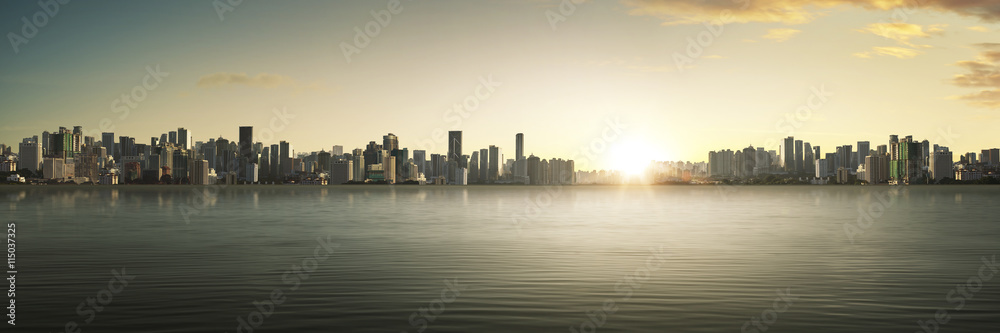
{"points": [[517, 259]]}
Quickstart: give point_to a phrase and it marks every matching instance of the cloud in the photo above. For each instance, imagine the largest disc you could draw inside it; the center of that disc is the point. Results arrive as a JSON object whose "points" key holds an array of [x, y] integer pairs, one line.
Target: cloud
{"points": [[781, 35], [979, 28], [982, 73], [794, 11], [262, 80], [889, 51], [902, 33]]}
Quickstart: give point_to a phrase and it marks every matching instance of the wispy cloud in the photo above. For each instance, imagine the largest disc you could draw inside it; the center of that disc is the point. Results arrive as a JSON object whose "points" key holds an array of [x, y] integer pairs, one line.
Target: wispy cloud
{"points": [[792, 11], [902, 33], [982, 73], [260, 81], [781, 35], [889, 51], [979, 28]]}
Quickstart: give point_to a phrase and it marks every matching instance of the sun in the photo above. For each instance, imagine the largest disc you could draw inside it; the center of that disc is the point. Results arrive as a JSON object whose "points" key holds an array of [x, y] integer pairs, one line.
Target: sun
{"points": [[631, 157]]}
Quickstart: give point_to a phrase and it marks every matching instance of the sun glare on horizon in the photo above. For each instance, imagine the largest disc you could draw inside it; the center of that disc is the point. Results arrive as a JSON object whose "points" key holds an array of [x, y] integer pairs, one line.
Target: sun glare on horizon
{"points": [[631, 156]]}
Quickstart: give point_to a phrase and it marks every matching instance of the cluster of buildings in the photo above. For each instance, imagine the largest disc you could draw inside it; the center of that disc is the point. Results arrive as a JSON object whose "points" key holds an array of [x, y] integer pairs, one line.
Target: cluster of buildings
{"points": [[175, 158], [900, 161]]}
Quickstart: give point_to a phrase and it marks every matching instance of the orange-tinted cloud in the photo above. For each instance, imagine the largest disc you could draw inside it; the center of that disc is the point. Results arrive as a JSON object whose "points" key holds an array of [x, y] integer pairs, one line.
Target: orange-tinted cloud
{"points": [[903, 32], [890, 51], [983, 72], [794, 11]]}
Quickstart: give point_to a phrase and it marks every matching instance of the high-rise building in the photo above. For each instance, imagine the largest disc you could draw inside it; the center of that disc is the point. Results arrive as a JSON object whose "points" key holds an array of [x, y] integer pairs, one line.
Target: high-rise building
{"points": [[172, 137], [184, 138], [127, 146], [30, 153], [108, 142], [274, 162], [496, 164], [245, 150], [990, 156], [359, 165], [199, 173], [455, 147], [341, 172], [941, 165], [787, 151], [420, 159], [373, 153], [337, 150], [808, 159], [519, 146], [876, 169], [864, 148], [62, 143], [484, 165], [390, 142], [474, 167], [925, 153], [181, 168], [47, 142], [286, 155], [799, 156]]}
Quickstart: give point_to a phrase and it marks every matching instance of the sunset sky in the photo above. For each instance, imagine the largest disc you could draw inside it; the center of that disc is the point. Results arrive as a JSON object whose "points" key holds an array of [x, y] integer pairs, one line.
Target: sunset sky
{"points": [[561, 75]]}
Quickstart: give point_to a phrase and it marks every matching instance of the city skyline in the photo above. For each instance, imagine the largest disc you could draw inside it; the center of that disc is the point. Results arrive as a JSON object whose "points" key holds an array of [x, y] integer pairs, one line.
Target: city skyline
{"points": [[888, 68]]}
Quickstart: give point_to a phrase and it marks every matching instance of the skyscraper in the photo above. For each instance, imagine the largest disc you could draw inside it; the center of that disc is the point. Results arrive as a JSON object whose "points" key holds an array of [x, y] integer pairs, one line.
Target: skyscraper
{"points": [[941, 162], [390, 142], [420, 159], [799, 156], [808, 159], [864, 148], [108, 142], [484, 165], [274, 162], [246, 155], [285, 158], [787, 151], [519, 146], [495, 165], [184, 138], [172, 137], [30, 153], [127, 146], [455, 147]]}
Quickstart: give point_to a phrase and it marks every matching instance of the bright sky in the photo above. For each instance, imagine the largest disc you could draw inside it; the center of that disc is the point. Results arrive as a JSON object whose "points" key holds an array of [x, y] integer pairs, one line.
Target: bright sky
{"points": [[921, 71]]}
